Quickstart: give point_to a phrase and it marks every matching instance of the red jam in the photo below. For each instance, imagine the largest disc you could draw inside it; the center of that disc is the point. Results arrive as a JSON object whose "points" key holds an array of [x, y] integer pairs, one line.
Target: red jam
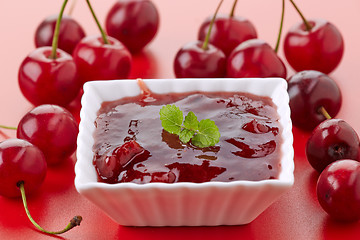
{"points": [[131, 145]]}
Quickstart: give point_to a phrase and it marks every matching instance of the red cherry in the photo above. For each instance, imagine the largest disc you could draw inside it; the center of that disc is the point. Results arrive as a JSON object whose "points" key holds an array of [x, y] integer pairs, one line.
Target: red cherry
{"points": [[43, 79], [69, 36], [255, 58], [99, 61], [320, 48], [20, 161], [133, 22], [331, 140], [52, 129], [192, 61], [338, 190], [309, 91], [200, 59], [227, 32], [313, 45]]}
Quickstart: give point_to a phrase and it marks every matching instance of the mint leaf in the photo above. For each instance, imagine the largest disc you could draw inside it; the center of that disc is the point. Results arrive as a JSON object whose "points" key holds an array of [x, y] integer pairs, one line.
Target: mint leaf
{"points": [[191, 121], [186, 135], [171, 119], [202, 134], [208, 134]]}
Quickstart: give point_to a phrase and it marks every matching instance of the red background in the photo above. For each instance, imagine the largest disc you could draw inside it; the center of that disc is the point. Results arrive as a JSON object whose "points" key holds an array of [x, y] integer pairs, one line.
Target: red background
{"points": [[296, 215]]}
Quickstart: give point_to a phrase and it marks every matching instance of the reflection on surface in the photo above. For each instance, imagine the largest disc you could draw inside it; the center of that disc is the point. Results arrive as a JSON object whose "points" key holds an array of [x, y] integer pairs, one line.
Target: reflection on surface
{"points": [[144, 65]]}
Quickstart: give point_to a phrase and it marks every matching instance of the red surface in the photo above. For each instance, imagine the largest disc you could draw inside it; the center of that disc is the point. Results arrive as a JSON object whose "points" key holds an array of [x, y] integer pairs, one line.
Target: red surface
{"points": [[296, 215]]}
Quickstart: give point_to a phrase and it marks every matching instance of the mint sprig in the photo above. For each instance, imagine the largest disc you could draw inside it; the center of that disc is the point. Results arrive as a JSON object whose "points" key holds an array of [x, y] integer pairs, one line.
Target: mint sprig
{"points": [[202, 134]]}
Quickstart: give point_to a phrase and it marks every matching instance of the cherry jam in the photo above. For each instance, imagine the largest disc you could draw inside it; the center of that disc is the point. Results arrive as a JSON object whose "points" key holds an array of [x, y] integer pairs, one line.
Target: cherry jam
{"points": [[249, 146]]}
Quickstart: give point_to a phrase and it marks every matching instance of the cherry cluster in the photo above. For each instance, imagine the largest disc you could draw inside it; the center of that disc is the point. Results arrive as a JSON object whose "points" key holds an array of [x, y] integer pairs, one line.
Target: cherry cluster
{"points": [[227, 46], [51, 78], [65, 58]]}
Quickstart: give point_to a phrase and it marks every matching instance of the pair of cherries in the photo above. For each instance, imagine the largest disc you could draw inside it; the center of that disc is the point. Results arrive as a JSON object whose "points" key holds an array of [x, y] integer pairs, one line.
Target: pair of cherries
{"points": [[54, 75], [234, 50], [46, 136]]}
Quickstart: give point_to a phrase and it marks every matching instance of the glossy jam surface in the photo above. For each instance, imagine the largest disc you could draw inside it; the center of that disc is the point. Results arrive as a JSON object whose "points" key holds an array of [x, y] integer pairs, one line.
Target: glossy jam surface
{"points": [[249, 146]]}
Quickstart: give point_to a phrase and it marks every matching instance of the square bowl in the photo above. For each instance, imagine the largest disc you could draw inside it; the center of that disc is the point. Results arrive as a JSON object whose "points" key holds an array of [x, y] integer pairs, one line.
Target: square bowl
{"points": [[182, 203]]}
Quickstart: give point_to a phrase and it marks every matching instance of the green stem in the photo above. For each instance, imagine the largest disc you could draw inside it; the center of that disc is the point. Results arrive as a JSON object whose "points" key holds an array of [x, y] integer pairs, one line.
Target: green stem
{"points": [[233, 9], [104, 37], [323, 111], [8, 127], [281, 26], [207, 38], [57, 31], [73, 222], [306, 23]]}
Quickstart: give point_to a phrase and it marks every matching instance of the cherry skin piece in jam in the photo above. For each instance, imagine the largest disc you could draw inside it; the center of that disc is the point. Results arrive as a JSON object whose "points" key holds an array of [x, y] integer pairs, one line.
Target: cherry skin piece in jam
{"points": [[192, 61], [320, 48], [20, 161], [309, 91], [332, 140], [338, 190], [110, 166], [98, 61], [227, 32], [133, 22], [52, 129], [69, 36], [44, 80], [255, 58]]}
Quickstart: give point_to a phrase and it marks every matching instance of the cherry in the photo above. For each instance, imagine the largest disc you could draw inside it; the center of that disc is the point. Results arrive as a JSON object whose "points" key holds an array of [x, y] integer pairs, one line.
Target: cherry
{"points": [[310, 90], [338, 190], [331, 140], [110, 165], [255, 58], [23, 169], [70, 33], [200, 59], [52, 129], [228, 31], [133, 22], [48, 74], [101, 57], [43, 79], [20, 161], [97, 60], [314, 44]]}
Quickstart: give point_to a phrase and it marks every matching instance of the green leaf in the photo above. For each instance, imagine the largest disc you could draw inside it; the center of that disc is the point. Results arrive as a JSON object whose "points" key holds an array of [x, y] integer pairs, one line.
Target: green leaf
{"points": [[202, 134], [208, 134], [186, 135], [191, 121], [171, 118]]}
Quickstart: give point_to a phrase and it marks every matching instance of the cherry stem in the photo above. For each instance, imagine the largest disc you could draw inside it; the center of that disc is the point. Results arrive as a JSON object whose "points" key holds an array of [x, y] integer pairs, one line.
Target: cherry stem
{"points": [[323, 111], [281, 26], [8, 127], [207, 38], [104, 37], [306, 23], [233, 9], [75, 221], [71, 9], [57, 31]]}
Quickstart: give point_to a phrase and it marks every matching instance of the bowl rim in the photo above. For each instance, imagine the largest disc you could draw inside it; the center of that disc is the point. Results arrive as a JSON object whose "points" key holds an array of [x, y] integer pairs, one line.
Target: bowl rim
{"points": [[86, 185]]}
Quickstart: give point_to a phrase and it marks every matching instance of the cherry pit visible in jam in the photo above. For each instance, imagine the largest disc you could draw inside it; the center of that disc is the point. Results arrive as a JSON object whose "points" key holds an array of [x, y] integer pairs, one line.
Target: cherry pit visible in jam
{"points": [[131, 145]]}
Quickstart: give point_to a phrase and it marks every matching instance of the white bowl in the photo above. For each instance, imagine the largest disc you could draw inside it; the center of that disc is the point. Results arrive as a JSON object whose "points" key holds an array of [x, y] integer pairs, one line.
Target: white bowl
{"points": [[181, 204]]}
